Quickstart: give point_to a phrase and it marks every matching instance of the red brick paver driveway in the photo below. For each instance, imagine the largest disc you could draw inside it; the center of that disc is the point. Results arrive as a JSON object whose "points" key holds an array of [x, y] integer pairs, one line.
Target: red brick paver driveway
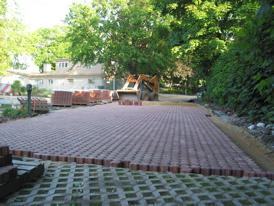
{"points": [[148, 138]]}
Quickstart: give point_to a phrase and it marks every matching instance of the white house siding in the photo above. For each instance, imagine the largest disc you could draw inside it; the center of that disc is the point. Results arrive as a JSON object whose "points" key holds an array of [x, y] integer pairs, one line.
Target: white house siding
{"points": [[74, 82], [64, 77], [70, 83], [11, 79]]}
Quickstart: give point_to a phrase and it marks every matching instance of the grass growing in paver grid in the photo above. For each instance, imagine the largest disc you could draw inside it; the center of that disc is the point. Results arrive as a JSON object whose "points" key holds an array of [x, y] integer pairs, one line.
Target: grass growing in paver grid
{"points": [[129, 195], [126, 189], [42, 192], [245, 202], [260, 200], [99, 184], [205, 184], [226, 189], [235, 195], [24, 192]]}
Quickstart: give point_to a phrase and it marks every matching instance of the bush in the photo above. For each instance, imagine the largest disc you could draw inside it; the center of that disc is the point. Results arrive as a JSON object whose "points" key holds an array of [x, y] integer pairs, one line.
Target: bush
{"points": [[175, 91], [11, 113], [243, 77], [172, 91], [5, 106], [40, 92], [16, 87]]}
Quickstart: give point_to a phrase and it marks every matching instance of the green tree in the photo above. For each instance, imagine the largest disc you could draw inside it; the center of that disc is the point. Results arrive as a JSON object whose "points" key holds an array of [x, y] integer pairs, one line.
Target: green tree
{"points": [[183, 74], [49, 44], [16, 87], [201, 30], [125, 35], [3, 48], [13, 37], [243, 78]]}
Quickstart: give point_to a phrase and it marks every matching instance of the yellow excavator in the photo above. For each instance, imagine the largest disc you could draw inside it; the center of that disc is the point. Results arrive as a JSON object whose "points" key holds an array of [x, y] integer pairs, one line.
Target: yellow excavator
{"points": [[140, 87]]}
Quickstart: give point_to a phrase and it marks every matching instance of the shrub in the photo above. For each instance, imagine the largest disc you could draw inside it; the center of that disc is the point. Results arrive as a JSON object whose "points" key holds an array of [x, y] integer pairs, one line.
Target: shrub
{"points": [[243, 77], [172, 91], [40, 92], [17, 88], [175, 91], [14, 113]]}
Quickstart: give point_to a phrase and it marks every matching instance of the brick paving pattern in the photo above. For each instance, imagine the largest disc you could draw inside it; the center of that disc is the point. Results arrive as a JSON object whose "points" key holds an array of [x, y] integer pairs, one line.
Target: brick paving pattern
{"points": [[148, 138], [86, 184]]}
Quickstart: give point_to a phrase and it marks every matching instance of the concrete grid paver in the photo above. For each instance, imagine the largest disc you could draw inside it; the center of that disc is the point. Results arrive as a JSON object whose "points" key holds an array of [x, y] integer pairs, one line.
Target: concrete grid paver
{"points": [[99, 185], [148, 138], [163, 140]]}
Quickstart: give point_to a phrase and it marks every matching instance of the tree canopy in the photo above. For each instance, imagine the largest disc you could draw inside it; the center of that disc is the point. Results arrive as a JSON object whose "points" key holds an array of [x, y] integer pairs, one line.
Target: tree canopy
{"points": [[49, 44], [125, 35], [16, 42], [243, 78], [13, 37], [201, 30]]}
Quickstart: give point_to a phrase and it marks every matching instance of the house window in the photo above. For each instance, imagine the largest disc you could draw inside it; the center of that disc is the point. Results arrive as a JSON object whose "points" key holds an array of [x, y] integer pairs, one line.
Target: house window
{"points": [[91, 81], [70, 81], [39, 81], [50, 81], [63, 65]]}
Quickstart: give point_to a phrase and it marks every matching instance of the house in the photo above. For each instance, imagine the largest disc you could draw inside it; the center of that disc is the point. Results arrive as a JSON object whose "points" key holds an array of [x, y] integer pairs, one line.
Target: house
{"points": [[79, 77]]}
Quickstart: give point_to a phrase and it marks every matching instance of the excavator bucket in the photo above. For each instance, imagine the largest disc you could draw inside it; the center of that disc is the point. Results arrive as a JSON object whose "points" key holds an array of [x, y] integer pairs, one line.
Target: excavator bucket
{"points": [[139, 87], [133, 95]]}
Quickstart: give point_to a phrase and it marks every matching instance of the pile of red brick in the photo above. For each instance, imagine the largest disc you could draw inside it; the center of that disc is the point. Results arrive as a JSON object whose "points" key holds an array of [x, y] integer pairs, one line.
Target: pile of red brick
{"points": [[81, 97], [67, 97], [61, 98], [129, 102], [38, 104], [7, 170], [101, 95]]}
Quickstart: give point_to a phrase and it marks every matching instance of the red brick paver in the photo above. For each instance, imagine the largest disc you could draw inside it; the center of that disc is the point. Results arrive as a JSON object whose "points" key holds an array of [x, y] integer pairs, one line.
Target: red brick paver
{"points": [[149, 138]]}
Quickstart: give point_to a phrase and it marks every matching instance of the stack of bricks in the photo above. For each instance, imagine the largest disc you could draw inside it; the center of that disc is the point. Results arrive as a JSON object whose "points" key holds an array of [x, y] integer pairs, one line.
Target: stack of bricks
{"points": [[81, 97], [129, 102], [95, 95], [106, 95], [7, 170], [38, 104], [61, 98]]}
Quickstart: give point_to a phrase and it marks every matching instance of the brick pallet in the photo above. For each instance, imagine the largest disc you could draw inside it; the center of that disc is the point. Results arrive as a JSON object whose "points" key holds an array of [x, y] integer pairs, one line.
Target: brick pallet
{"points": [[129, 102], [61, 98], [96, 95], [76, 97], [81, 97], [106, 95], [38, 104]]}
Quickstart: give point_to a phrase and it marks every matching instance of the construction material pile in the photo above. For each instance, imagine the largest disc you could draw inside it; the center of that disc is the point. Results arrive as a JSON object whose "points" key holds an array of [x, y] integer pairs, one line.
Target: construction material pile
{"points": [[38, 104], [7, 171], [81, 97]]}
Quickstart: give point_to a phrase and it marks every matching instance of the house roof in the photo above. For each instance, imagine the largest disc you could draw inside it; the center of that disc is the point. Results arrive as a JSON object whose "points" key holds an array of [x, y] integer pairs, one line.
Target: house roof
{"points": [[77, 70], [71, 73], [62, 59]]}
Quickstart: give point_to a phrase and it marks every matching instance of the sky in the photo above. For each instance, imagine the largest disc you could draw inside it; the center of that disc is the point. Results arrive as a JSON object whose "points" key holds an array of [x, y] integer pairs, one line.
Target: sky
{"points": [[43, 13]]}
